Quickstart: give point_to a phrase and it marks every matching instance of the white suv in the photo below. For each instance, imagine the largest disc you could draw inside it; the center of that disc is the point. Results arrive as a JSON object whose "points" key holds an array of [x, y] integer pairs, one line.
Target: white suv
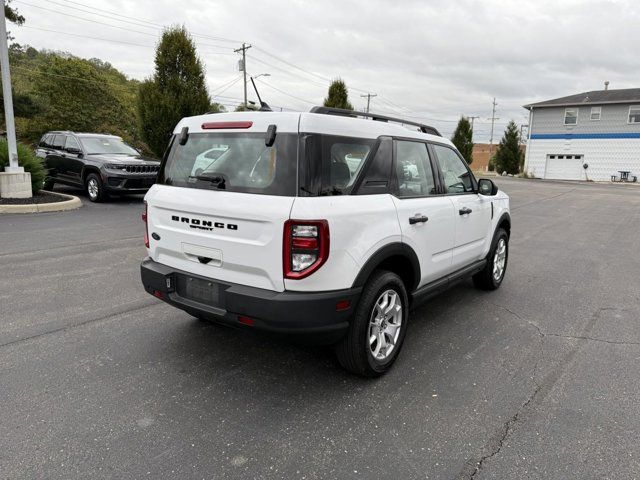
{"points": [[328, 225]]}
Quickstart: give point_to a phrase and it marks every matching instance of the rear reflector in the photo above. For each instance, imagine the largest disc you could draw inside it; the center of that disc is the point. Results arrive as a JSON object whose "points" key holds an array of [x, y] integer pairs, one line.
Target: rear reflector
{"points": [[343, 305], [245, 320], [304, 243], [158, 294], [225, 125]]}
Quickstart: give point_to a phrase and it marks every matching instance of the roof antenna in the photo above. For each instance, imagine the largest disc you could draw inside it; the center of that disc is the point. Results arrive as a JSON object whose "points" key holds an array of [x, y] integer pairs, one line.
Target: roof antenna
{"points": [[263, 106], [606, 85]]}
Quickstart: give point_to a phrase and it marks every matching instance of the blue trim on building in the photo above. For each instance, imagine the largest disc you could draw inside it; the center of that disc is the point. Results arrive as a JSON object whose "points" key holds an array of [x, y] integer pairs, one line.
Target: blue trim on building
{"points": [[583, 136]]}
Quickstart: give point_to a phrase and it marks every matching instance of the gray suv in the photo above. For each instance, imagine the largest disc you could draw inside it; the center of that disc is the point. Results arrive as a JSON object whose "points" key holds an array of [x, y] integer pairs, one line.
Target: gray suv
{"points": [[100, 164]]}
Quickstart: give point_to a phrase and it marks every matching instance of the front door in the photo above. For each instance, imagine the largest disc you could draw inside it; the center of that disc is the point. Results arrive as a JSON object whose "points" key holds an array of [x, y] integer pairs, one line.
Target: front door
{"points": [[426, 218], [472, 212], [71, 158]]}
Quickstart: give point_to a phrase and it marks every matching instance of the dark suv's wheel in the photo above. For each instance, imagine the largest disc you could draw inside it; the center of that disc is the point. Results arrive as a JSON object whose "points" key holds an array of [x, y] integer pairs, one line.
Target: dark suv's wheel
{"points": [[95, 188], [378, 327], [492, 275], [49, 182]]}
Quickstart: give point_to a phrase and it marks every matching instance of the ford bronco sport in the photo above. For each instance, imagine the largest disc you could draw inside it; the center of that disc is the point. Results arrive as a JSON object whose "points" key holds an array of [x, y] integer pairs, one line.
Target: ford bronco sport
{"points": [[329, 224]]}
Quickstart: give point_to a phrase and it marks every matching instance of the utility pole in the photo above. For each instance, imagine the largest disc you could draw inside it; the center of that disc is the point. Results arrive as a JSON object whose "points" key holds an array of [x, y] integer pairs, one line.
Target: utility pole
{"points": [[493, 119], [244, 49], [369, 97], [472, 118], [14, 181]]}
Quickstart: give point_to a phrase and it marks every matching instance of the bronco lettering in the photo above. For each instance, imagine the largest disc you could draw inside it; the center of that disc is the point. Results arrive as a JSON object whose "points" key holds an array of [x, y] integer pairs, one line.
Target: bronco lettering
{"points": [[203, 224]]}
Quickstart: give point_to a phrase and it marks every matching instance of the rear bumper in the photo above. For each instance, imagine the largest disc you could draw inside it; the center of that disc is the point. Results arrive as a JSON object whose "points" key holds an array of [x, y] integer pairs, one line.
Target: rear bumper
{"points": [[312, 315]]}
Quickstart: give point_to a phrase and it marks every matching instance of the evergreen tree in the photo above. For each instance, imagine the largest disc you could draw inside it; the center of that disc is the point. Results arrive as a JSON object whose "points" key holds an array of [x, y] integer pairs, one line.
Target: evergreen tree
{"points": [[338, 96], [508, 155], [463, 139], [176, 90]]}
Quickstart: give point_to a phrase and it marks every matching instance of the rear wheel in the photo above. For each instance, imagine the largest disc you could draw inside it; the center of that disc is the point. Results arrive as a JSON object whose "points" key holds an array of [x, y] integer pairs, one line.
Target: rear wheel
{"points": [[48, 183], [95, 188], [378, 327], [490, 278]]}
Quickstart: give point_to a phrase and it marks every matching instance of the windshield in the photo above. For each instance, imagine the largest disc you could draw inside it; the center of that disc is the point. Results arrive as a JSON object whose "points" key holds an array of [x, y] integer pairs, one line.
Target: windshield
{"points": [[111, 145], [237, 162]]}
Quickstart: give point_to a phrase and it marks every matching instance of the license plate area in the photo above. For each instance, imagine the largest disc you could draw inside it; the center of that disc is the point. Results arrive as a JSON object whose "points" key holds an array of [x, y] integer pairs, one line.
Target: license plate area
{"points": [[199, 290]]}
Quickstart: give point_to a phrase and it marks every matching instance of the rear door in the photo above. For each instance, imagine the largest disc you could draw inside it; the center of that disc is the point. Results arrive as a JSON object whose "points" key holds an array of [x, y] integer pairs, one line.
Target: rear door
{"points": [[222, 216], [472, 212], [54, 158], [426, 218]]}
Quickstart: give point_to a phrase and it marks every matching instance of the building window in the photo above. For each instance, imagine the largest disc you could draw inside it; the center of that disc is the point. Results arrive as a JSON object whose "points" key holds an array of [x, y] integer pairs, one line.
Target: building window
{"points": [[596, 113], [571, 116], [634, 114]]}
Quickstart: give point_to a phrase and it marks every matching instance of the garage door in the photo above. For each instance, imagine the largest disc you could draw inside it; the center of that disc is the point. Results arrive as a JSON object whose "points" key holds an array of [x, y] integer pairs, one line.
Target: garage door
{"points": [[564, 167]]}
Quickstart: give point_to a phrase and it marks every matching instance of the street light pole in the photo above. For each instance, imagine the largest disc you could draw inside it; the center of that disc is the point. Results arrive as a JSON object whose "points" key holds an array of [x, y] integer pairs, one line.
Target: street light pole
{"points": [[8, 100], [14, 181]]}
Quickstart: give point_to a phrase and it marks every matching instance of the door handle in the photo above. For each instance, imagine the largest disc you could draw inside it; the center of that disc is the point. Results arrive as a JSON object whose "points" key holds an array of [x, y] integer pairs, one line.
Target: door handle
{"points": [[464, 211], [418, 218]]}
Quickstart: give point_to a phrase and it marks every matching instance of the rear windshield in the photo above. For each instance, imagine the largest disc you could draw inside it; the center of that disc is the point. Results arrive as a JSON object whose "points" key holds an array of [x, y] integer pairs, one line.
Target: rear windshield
{"points": [[236, 162]]}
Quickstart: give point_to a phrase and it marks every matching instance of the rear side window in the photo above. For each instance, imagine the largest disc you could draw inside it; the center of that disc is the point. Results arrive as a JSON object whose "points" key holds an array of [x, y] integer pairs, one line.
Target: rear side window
{"points": [[333, 163], [413, 170], [57, 142], [236, 162], [378, 173], [456, 175]]}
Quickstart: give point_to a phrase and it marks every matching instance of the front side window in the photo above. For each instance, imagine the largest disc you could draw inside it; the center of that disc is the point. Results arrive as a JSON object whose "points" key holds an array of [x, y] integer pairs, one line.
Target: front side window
{"points": [[634, 114], [236, 162], [570, 116], [106, 145], [71, 143], [456, 175], [596, 113], [413, 170]]}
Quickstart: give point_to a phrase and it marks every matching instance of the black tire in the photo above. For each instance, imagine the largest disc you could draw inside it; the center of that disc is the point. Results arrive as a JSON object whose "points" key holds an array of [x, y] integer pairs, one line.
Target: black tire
{"points": [[48, 183], [486, 280], [95, 191], [354, 350]]}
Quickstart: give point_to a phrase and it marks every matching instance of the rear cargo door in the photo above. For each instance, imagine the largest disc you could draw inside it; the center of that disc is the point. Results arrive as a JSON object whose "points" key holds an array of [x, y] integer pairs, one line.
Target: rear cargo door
{"points": [[227, 236]]}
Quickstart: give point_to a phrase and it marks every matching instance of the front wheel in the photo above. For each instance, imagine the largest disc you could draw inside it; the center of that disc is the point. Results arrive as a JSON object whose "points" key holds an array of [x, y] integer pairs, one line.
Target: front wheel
{"points": [[95, 188], [490, 278], [378, 327]]}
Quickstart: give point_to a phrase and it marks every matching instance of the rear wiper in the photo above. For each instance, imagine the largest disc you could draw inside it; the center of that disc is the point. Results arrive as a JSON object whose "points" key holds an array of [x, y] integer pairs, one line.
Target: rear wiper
{"points": [[215, 180]]}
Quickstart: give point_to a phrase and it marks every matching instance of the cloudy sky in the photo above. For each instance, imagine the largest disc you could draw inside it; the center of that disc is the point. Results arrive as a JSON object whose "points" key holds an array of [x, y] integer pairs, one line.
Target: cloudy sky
{"points": [[431, 60]]}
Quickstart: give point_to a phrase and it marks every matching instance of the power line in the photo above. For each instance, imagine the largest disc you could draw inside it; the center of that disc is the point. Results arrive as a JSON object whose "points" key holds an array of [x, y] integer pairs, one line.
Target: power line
{"points": [[221, 39], [288, 94]]}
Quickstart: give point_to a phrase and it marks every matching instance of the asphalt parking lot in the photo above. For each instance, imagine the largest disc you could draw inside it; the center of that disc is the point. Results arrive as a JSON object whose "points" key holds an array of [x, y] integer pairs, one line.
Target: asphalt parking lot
{"points": [[540, 379]]}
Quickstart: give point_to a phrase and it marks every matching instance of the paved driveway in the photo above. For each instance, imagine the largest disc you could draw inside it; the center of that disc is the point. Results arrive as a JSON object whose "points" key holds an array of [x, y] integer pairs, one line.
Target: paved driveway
{"points": [[540, 379]]}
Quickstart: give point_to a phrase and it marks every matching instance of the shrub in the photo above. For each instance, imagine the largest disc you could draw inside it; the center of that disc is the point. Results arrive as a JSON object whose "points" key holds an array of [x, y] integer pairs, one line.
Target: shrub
{"points": [[27, 159]]}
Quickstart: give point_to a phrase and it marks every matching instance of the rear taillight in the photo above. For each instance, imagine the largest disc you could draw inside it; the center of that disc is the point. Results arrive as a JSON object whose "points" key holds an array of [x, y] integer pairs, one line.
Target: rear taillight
{"points": [[305, 247], [146, 226]]}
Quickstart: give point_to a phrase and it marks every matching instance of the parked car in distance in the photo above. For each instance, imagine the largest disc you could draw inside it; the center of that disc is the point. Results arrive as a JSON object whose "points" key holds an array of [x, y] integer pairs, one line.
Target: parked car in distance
{"points": [[329, 225], [101, 164]]}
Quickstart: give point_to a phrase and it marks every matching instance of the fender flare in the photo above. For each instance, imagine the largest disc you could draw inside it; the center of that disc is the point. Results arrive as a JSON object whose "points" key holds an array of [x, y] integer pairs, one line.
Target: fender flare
{"points": [[382, 254]]}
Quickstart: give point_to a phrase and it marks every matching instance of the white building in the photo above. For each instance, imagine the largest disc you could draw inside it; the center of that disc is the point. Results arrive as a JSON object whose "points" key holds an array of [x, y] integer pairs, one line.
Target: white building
{"points": [[588, 136]]}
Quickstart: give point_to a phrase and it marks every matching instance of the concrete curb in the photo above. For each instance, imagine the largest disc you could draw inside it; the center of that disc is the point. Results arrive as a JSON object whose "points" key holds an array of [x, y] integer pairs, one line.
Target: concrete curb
{"points": [[70, 204]]}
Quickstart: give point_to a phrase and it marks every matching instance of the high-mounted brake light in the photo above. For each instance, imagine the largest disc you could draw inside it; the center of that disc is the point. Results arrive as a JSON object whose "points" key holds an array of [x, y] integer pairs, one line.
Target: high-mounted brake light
{"points": [[305, 247], [223, 125], [146, 226]]}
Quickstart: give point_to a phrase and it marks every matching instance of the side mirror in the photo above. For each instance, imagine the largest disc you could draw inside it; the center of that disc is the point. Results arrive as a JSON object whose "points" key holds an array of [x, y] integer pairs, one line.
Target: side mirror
{"points": [[73, 150], [487, 187]]}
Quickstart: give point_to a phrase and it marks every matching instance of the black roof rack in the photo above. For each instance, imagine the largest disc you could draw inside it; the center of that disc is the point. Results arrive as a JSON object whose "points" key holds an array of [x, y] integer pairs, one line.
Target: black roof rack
{"points": [[374, 116]]}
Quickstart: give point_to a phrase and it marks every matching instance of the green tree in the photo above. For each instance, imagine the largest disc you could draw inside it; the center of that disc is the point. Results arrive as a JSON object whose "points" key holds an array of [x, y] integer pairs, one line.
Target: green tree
{"points": [[216, 107], [463, 139], [176, 90], [338, 96], [508, 155]]}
